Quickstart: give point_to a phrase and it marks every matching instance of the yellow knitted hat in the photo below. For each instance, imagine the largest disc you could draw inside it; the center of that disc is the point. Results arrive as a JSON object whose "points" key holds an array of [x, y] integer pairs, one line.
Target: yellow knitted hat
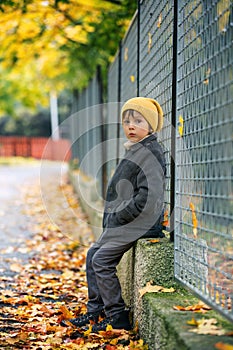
{"points": [[149, 108]]}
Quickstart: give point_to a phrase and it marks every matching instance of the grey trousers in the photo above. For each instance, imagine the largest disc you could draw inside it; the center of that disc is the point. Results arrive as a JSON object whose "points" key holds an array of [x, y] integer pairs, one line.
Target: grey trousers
{"points": [[104, 289]]}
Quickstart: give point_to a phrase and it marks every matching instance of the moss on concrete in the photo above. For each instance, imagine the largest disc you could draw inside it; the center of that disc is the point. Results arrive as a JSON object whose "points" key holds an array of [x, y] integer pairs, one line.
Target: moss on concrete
{"points": [[153, 263], [162, 327]]}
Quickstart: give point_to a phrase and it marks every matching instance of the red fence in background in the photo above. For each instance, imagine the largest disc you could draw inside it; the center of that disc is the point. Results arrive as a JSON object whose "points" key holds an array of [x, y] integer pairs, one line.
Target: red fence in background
{"points": [[36, 147]]}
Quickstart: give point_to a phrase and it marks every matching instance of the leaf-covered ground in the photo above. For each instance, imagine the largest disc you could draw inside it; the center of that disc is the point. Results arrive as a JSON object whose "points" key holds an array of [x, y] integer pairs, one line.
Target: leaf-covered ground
{"points": [[50, 285]]}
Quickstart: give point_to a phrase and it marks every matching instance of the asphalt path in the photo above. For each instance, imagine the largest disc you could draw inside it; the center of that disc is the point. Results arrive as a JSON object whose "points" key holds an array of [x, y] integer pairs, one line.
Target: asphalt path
{"points": [[15, 224]]}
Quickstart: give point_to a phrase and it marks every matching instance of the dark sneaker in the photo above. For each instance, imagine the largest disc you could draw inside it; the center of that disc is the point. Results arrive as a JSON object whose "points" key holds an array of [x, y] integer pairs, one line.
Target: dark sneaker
{"points": [[84, 320], [118, 321]]}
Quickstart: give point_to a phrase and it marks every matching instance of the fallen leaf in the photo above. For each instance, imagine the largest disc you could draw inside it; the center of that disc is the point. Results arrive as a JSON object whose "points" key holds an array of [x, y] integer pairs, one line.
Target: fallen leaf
{"points": [[132, 78], [166, 219], [192, 322], [16, 267], [66, 314], [159, 20], [156, 240], [223, 346], [208, 326], [199, 307], [149, 42], [154, 289], [181, 125], [126, 54], [194, 220]]}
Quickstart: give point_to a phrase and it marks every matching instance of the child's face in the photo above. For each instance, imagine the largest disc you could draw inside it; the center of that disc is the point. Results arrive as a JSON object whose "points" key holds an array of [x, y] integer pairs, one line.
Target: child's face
{"points": [[135, 126]]}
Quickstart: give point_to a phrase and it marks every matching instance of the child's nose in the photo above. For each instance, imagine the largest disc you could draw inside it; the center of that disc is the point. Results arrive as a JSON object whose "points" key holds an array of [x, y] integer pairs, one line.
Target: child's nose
{"points": [[131, 124]]}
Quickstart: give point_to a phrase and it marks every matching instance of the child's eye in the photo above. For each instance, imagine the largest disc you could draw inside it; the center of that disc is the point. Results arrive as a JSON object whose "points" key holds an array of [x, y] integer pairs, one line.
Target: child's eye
{"points": [[138, 121]]}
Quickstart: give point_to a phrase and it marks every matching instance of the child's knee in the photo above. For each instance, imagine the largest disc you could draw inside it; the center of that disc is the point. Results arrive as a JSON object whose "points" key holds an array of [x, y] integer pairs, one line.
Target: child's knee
{"points": [[90, 253], [97, 262]]}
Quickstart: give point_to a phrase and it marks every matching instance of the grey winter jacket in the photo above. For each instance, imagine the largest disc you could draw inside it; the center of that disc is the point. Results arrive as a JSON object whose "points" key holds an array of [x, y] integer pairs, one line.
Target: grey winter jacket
{"points": [[135, 194]]}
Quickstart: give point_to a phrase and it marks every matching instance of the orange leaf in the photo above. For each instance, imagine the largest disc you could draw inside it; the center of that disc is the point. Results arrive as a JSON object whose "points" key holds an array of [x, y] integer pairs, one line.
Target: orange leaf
{"points": [[156, 240], [199, 307], [179, 308], [194, 219], [165, 219], [223, 346], [66, 314], [110, 347]]}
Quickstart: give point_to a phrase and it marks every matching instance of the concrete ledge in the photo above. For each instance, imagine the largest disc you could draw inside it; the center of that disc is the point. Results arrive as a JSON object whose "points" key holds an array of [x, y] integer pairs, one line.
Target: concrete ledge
{"points": [[162, 327]]}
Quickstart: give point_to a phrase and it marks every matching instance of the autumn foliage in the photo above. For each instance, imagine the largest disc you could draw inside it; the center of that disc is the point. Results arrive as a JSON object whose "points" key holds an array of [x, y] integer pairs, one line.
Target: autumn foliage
{"points": [[56, 44], [52, 286]]}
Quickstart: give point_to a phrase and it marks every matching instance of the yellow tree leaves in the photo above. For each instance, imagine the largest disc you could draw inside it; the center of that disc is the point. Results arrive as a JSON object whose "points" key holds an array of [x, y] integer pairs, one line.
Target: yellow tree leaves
{"points": [[52, 24], [45, 44]]}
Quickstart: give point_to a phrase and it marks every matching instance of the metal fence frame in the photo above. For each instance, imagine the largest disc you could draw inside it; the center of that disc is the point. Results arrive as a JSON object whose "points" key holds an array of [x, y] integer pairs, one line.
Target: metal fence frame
{"points": [[181, 54]]}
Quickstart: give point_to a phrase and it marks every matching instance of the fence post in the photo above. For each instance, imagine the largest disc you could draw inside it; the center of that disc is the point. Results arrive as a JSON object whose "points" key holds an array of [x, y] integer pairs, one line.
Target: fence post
{"points": [[138, 49], [173, 120], [119, 100], [103, 131]]}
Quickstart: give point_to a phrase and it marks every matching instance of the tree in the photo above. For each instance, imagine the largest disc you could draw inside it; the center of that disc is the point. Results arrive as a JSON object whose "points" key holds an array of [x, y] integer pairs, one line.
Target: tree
{"points": [[55, 44]]}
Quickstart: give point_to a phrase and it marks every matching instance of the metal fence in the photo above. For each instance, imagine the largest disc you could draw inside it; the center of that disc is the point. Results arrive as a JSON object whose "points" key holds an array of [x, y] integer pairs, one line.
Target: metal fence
{"points": [[180, 52], [204, 161]]}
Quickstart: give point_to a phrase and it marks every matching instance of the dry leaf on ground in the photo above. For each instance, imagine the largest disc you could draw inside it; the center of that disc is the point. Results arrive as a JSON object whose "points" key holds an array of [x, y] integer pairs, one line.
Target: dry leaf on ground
{"points": [[149, 288], [207, 326], [199, 307], [223, 346]]}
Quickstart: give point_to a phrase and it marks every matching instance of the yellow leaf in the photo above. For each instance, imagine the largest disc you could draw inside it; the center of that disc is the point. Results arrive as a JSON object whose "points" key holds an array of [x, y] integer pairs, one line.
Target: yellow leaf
{"points": [[159, 20], [181, 125], [154, 289], [208, 326], [88, 331], [109, 327], [149, 42], [168, 290], [126, 54], [68, 274], [132, 78], [192, 322]]}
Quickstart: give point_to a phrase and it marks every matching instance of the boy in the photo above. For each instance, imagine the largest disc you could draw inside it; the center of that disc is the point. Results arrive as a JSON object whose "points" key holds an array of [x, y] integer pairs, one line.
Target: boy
{"points": [[133, 207]]}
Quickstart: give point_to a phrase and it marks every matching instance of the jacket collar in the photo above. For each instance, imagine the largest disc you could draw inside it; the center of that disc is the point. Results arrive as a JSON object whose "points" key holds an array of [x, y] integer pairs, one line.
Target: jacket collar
{"points": [[133, 146]]}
